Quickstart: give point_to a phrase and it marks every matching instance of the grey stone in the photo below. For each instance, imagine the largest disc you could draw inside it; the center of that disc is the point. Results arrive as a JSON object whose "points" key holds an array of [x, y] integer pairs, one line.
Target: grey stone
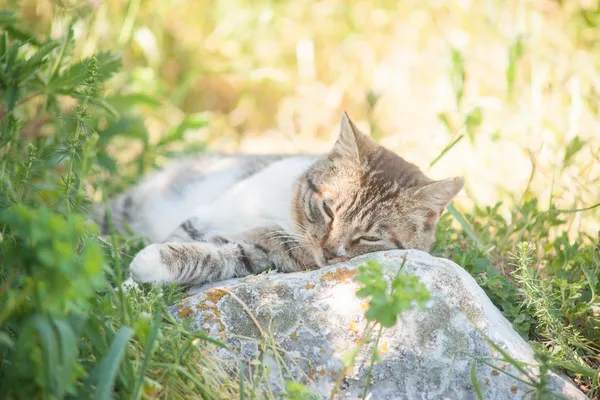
{"points": [[309, 320]]}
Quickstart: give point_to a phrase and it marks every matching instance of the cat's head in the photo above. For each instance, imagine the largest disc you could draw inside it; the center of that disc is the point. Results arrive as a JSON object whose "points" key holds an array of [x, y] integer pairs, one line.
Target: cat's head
{"points": [[362, 198]]}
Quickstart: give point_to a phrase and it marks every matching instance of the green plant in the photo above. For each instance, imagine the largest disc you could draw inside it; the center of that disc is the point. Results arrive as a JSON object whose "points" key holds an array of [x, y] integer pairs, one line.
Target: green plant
{"points": [[538, 381], [385, 307], [65, 331]]}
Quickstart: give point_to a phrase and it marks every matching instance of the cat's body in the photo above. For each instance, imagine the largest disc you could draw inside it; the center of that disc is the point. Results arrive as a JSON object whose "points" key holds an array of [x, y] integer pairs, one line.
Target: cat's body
{"points": [[207, 187], [216, 217]]}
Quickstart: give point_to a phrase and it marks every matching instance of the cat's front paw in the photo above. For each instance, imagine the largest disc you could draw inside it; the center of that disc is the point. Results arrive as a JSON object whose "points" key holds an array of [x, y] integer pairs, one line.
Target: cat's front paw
{"points": [[147, 266]]}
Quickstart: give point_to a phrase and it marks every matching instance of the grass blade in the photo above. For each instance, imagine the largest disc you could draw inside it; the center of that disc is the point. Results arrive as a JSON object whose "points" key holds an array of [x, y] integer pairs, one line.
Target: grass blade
{"points": [[465, 225], [69, 350], [147, 355], [475, 382], [48, 347], [104, 374], [447, 149], [241, 378]]}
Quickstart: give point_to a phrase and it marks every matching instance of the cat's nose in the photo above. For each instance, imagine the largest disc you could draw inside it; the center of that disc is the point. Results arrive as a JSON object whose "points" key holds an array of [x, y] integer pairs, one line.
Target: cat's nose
{"points": [[330, 253]]}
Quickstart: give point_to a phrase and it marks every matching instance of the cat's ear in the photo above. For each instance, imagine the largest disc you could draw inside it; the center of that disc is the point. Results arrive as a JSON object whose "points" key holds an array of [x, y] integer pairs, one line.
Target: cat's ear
{"points": [[350, 140], [435, 196]]}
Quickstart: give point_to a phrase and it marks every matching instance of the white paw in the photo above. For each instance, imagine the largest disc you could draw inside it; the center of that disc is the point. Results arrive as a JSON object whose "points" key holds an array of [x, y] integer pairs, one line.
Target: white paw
{"points": [[148, 267]]}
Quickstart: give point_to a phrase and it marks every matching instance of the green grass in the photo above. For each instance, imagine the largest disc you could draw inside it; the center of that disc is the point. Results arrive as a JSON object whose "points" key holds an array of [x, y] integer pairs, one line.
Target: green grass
{"points": [[121, 88]]}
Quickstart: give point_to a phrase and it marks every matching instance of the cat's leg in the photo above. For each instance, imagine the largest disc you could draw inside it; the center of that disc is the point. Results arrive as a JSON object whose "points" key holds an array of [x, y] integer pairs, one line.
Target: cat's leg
{"points": [[196, 262], [192, 230], [217, 258]]}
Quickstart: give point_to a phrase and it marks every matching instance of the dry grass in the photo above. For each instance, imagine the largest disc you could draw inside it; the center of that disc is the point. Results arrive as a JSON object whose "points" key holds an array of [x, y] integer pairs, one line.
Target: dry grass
{"points": [[275, 77]]}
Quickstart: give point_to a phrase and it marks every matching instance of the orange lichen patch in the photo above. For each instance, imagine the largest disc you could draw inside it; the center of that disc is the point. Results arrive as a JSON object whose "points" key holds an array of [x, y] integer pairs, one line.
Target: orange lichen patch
{"points": [[513, 390], [311, 374], [211, 313], [495, 373], [384, 347], [357, 341], [214, 295], [309, 286], [339, 275], [322, 372], [322, 351], [184, 311], [293, 336]]}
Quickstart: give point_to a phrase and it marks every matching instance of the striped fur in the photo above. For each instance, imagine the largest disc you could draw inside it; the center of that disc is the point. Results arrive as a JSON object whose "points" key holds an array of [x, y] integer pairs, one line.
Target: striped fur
{"points": [[216, 217]]}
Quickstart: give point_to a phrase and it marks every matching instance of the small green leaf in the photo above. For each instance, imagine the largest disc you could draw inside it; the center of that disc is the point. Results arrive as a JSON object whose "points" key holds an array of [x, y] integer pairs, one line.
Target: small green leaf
{"points": [[447, 121], [349, 357], [19, 34], [515, 52], [575, 368], [457, 75], [6, 341], [3, 44], [575, 145], [193, 121], [104, 106], [32, 64], [107, 63], [12, 94], [472, 122], [8, 17], [385, 308]]}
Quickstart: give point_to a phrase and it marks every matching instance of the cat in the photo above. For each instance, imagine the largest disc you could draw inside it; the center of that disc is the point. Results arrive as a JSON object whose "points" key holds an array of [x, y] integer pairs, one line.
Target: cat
{"points": [[215, 217]]}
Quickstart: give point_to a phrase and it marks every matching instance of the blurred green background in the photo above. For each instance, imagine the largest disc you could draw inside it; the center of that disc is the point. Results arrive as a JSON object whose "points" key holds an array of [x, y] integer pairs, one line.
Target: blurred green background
{"points": [[515, 82]]}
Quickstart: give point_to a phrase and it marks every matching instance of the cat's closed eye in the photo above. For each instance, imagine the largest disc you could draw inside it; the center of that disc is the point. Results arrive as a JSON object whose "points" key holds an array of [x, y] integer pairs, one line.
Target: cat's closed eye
{"points": [[371, 239], [327, 210]]}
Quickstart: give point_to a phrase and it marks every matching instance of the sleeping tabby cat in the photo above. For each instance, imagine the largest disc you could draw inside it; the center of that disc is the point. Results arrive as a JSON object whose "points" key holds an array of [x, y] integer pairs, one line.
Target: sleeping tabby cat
{"points": [[214, 217]]}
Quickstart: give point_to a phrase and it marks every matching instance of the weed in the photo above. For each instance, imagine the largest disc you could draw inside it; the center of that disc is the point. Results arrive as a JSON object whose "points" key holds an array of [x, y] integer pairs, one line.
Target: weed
{"points": [[64, 330]]}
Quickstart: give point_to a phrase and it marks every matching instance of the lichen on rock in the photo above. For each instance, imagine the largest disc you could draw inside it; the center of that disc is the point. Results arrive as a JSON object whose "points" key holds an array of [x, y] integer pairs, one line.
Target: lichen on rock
{"points": [[313, 318]]}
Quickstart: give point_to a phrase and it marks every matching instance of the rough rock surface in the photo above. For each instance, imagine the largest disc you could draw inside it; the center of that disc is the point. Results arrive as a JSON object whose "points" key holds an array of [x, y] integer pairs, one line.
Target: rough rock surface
{"points": [[310, 319]]}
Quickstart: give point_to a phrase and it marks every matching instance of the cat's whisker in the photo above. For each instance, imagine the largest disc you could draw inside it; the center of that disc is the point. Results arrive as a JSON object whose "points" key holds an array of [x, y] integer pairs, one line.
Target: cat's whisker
{"points": [[296, 247], [299, 227], [281, 233], [273, 235], [287, 239]]}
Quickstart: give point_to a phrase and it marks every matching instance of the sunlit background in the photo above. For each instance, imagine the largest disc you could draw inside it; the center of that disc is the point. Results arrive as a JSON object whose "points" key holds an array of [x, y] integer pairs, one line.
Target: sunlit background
{"points": [[504, 93]]}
